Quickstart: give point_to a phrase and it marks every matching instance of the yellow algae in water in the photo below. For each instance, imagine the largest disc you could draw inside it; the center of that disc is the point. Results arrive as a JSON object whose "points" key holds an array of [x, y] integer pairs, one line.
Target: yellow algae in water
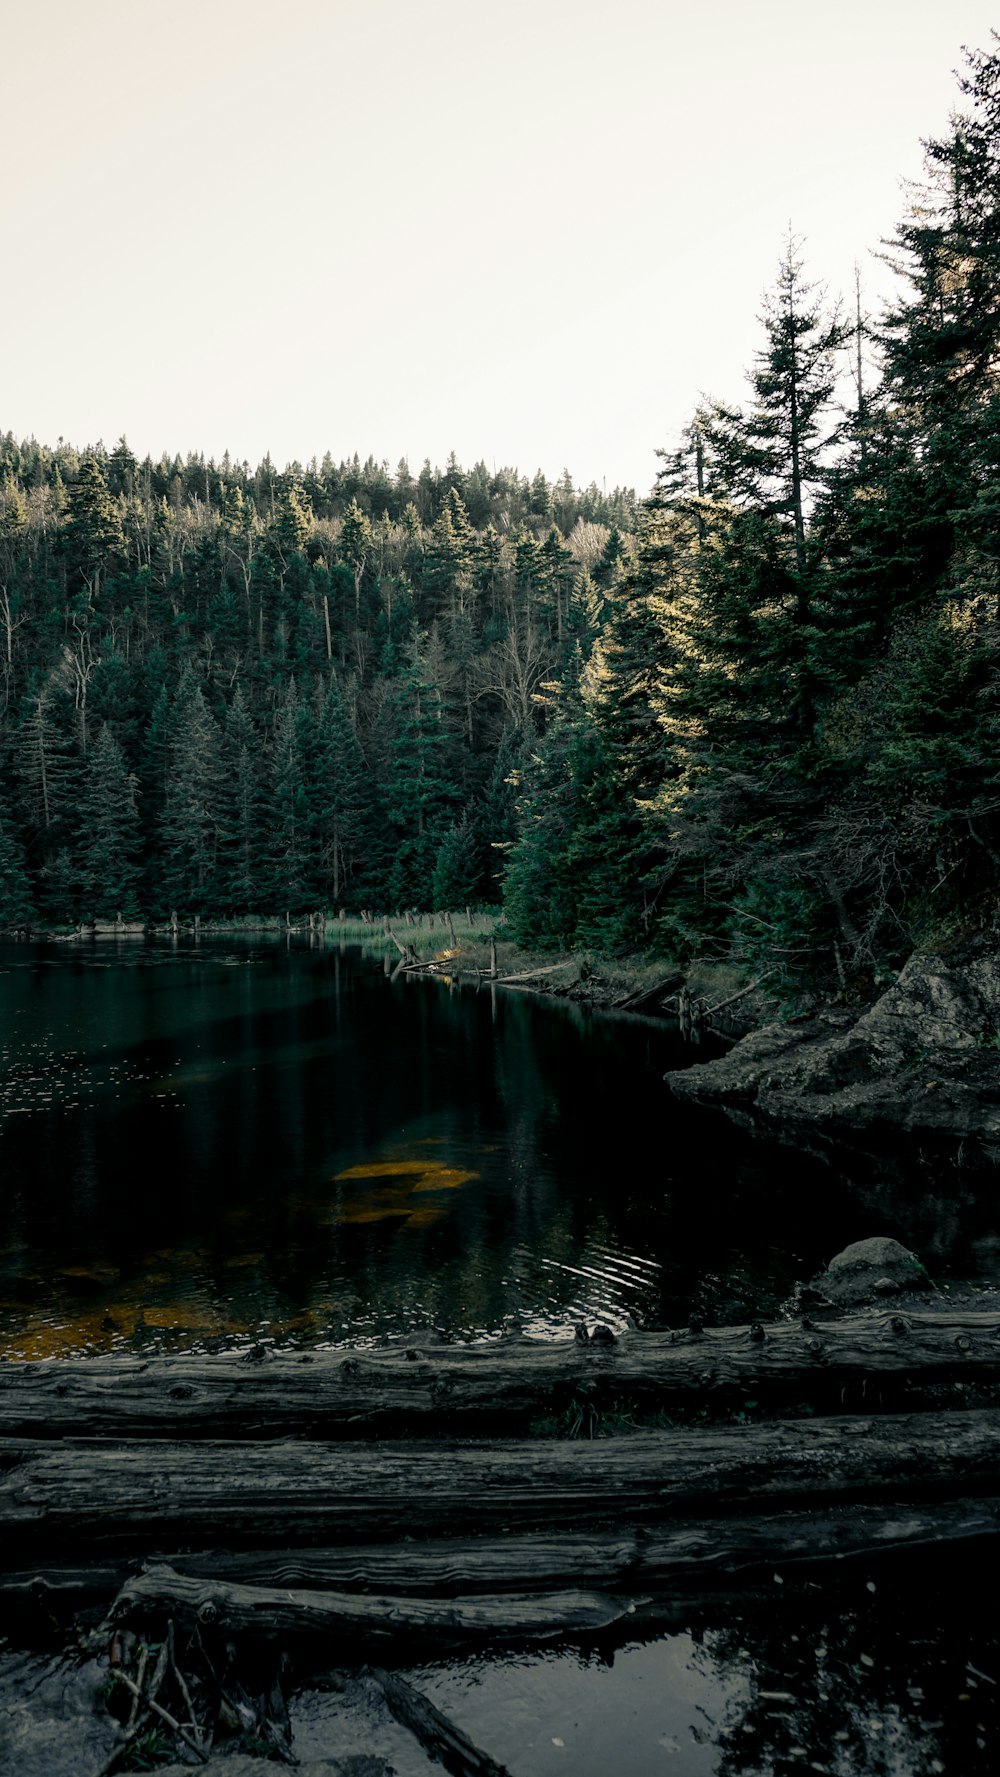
{"points": [[388, 1200], [358, 1213], [175, 1316], [96, 1331], [89, 1273], [385, 1169], [444, 1178], [391, 1203], [86, 1332], [427, 1212], [375, 1206], [431, 1175]]}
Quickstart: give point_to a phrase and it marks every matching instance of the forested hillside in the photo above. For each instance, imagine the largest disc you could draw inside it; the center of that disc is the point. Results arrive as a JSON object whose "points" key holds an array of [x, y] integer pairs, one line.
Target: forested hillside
{"points": [[227, 692], [755, 718]]}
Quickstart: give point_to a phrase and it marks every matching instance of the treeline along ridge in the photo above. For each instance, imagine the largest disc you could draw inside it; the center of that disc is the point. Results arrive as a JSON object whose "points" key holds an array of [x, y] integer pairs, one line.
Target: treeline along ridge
{"points": [[753, 717]]}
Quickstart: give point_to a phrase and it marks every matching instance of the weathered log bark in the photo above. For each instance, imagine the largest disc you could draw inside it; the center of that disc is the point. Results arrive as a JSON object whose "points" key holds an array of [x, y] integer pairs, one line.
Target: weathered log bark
{"points": [[120, 1496], [668, 1564], [683, 1557], [329, 1394], [287, 1612]]}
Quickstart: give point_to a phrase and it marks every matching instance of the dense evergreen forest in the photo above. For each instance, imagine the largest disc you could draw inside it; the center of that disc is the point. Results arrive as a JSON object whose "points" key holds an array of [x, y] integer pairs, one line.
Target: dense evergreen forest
{"points": [[228, 691], [755, 717]]}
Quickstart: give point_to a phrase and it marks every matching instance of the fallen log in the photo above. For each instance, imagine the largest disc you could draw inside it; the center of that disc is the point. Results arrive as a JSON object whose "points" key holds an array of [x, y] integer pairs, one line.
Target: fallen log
{"points": [[535, 974], [502, 1385], [667, 1563], [650, 996], [438, 1735], [686, 1556], [119, 1496], [233, 1609]]}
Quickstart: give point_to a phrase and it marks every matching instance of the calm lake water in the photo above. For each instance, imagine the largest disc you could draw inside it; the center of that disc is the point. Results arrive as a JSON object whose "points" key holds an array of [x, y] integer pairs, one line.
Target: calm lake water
{"points": [[201, 1145]]}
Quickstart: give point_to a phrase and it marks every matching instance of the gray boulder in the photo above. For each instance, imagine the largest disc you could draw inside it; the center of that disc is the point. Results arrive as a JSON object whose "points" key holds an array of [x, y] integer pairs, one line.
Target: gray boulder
{"points": [[869, 1269]]}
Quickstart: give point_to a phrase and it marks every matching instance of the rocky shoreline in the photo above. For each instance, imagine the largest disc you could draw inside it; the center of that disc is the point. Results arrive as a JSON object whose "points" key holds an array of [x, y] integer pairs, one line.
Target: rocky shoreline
{"points": [[921, 1063]]}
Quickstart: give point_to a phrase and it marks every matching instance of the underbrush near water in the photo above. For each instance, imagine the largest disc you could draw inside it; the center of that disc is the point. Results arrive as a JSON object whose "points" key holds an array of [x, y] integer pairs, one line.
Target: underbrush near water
{"points": [[467, 942]]}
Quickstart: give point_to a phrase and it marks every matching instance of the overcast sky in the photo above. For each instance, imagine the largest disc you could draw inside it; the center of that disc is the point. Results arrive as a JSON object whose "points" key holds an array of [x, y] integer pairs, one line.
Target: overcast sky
{"points": [[531, 231]]}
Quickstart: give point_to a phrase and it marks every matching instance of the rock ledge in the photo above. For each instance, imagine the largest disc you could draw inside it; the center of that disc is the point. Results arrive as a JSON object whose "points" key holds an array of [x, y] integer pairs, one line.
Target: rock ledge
{"points": [[923, 1059]]}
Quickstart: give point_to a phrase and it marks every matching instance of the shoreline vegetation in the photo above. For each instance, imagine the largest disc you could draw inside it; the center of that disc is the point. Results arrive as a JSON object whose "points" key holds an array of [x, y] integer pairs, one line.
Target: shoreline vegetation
{"points": [[473, 943]]}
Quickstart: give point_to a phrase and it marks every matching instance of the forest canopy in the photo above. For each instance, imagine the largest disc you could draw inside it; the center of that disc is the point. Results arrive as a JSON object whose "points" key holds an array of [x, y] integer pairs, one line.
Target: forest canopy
{"points": [[754, 715]]}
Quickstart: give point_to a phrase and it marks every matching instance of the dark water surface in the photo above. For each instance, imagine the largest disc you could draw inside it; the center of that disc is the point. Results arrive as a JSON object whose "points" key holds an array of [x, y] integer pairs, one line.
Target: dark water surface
{"points": [[204, 1145], [201, 1145], [892, 1671]]}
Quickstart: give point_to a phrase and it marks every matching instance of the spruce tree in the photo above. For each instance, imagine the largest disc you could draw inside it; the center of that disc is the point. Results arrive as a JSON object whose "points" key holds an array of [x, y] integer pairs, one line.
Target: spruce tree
{"points": [[773, 458], [341, 795], [189, 835], [94, 535], [16, 906], [109, 839], [290, 876], [565, 881], [456, 880], [418, 784], [241, 807]]}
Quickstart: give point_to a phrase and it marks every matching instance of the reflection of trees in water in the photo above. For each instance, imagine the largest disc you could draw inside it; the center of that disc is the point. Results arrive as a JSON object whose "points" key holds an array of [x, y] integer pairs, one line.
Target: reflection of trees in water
{"points": [[900, 1680], [199, 1177]]}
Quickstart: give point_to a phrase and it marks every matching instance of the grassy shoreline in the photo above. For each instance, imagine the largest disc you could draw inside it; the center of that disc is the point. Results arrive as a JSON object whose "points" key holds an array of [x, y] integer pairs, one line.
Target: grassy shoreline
{"points": [[467, 943]]}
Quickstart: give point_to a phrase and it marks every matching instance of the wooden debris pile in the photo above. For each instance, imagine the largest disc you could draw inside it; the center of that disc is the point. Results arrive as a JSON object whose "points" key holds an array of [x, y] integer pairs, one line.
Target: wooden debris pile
{"points": [[223, 1513]]}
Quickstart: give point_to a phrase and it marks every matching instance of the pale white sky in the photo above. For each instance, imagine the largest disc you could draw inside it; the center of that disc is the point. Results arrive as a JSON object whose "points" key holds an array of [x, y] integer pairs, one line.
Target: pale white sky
{"points": [[530, 231]]}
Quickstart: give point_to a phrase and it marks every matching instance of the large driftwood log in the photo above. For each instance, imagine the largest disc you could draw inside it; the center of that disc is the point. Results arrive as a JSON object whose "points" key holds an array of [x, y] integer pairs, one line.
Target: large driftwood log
{"points": [[109, 1496], [669, 1563], [686, 1556], [286, 1611], [497, 1386]]}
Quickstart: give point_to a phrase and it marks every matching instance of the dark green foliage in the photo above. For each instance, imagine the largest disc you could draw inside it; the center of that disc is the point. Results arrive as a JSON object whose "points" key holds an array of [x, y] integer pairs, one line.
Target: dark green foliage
{"points": [[567, 879], [418, 779], [289, 813], [173, 604], [16, 908], [457, 880], [108, 846], [192, 807], [342, 807], [781, 751], [93, 534], [241, 813]]}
